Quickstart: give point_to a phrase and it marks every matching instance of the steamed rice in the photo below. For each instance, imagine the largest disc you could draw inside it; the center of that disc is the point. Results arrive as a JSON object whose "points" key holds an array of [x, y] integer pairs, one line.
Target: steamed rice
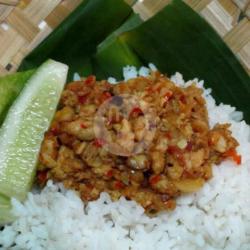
{"points": [[217, 217]]}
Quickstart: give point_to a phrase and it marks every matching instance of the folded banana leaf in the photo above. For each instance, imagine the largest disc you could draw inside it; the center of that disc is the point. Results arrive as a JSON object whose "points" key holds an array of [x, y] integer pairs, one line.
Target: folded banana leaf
{"points": [[94, 41], [112, 51]]}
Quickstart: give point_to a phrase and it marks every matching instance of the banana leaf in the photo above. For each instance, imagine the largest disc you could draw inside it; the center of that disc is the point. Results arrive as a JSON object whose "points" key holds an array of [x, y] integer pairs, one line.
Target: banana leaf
{"points": [[76, 38], [10, 87], [107, 63], [178, 39], [94, 41], [113, 51]]}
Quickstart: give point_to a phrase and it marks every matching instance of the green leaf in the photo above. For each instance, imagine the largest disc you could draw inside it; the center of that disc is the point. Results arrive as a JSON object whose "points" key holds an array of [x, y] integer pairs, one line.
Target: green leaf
{"points": [[178, 39], [113, 53], [10, 87], [76, 39], [113, 58], [132, 22]]}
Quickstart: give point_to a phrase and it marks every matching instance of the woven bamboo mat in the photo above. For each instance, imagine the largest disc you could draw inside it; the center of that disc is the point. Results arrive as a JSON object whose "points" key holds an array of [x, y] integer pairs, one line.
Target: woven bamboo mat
{"points": [[25, 23]]}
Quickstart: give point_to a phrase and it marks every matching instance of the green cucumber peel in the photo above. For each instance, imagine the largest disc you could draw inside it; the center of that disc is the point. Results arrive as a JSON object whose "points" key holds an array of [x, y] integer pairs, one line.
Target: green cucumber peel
{"points": [[23, 129], [5, 210], [10, 87]]}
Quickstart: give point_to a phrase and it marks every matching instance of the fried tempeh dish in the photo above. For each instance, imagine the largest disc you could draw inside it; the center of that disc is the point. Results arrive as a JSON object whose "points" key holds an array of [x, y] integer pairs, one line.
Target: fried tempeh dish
{"points": [[162, 157]]}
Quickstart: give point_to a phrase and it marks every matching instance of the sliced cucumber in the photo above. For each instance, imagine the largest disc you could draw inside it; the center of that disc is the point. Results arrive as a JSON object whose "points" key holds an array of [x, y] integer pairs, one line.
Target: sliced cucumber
{"points": [[23, 129], [5, 210]]}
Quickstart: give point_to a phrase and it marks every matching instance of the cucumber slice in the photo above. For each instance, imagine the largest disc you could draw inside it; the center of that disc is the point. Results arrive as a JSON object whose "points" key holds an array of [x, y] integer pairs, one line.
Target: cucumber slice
{"points": [[10, 87], [5, 210], [23, 129]]}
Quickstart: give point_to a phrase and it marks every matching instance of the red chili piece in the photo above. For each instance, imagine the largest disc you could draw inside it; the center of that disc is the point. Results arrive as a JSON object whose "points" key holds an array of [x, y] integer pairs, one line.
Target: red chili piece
{"points": [[189, 146], [119, 185], [169, 135], [99, 142], [136, 111], [168, 95], [82, 99], [42, 177], [173, 150], [183, 99], [89, 80], [105, 96], [154, 179], [233, 154], [54, 131], [109, 173], [83, 125]]}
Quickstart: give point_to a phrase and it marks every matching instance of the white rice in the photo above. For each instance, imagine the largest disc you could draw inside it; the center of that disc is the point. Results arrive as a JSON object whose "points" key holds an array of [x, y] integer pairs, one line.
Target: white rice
{"points": [[217, 217]]}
